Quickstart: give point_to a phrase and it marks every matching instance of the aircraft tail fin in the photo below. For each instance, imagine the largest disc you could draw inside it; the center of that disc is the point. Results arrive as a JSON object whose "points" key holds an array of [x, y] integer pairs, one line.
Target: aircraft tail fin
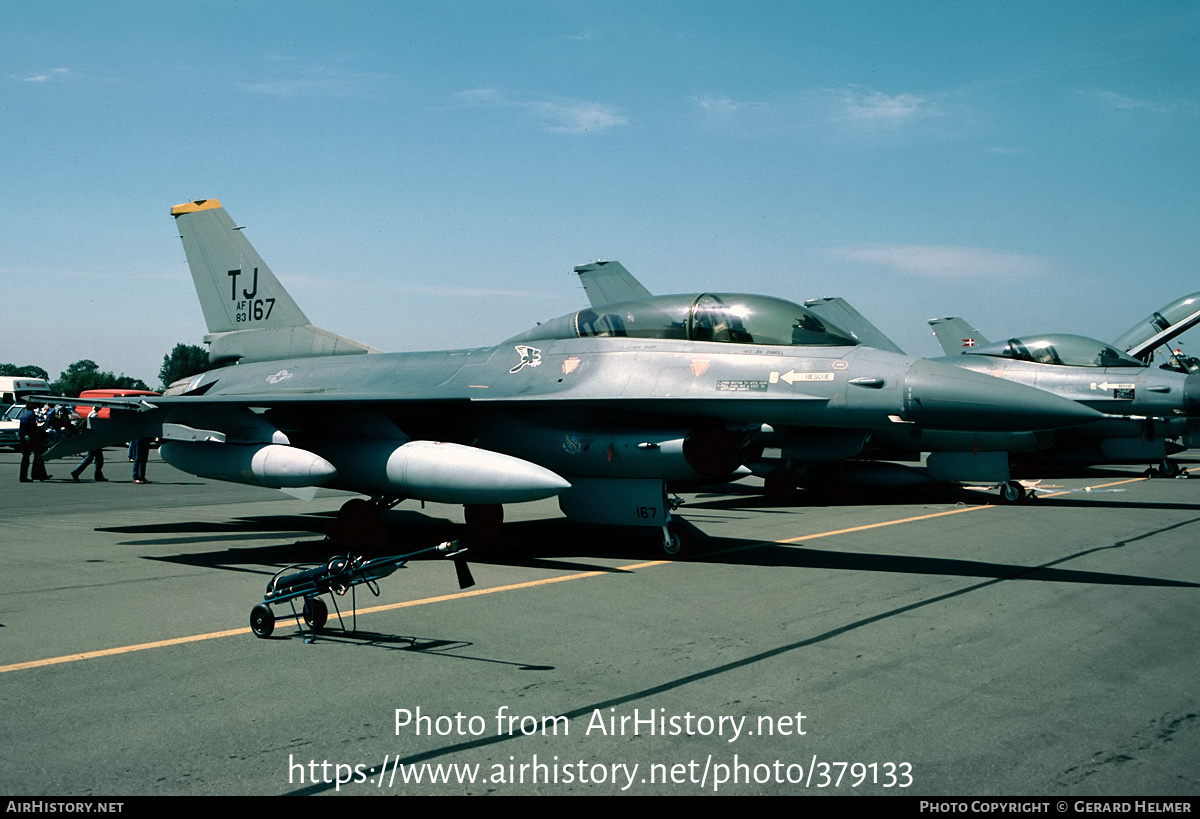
{"points": [[250, 316], [955, 334], [609, 282]]}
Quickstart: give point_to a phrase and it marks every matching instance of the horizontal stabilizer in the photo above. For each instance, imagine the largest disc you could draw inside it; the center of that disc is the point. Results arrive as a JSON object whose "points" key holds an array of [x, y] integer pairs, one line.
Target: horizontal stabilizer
{"points": [[280, 342]]}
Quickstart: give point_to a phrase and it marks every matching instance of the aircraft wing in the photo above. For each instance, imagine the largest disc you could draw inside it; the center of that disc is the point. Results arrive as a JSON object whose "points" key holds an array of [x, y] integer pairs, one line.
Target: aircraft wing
{"points": [[608, 282], [126, 402], [955, 334], [839, 313]]}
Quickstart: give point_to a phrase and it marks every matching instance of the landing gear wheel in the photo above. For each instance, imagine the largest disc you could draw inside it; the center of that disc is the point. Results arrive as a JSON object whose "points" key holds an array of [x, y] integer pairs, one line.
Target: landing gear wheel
{"points": [[675, 541], [483, 520], [1012, 492], [315, 613], [359, 525], [262, 620], [779, 486], [1168, 468]]}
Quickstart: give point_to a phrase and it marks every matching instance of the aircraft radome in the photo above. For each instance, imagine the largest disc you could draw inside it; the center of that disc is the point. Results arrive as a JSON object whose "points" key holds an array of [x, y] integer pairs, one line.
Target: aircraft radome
{"points": [[603, 408]]}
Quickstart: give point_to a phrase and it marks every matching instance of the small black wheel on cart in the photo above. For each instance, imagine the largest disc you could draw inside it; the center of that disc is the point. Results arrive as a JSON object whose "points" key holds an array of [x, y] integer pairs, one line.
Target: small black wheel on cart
{"points": [[262, 620], [315, 612]]}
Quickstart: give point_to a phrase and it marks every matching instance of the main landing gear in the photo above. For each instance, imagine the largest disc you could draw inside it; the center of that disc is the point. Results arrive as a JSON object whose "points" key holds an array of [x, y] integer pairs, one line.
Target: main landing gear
{"points": [[360, 523], [483, 521], [1166, 469], [779, 486]]}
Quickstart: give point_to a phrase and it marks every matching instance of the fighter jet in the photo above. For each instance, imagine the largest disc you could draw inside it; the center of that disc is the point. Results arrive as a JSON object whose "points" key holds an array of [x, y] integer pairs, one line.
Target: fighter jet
{"points": [[792, 456], [1160, 406], [600, 407], [1147, 410], [1158, 329]]}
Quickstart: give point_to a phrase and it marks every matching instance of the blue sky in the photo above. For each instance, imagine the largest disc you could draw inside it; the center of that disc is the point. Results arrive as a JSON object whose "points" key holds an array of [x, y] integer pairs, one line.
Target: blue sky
{"points": [[424, 175]]}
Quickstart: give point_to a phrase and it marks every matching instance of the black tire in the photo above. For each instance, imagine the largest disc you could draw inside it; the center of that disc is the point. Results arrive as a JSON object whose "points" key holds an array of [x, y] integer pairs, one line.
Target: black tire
{"points": [[483, 521], [316, 613], [262, 620], [1012, 492], [678, 542], [780, 486], [359, 526]]}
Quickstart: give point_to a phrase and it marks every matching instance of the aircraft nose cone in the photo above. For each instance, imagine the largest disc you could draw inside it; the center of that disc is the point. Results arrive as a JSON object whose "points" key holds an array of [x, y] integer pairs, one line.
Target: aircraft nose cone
{"points": [[949, 397]]}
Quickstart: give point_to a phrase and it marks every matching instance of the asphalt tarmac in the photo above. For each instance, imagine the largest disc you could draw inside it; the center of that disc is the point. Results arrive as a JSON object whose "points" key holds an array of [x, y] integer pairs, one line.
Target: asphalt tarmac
{"points": [[935, 643]]}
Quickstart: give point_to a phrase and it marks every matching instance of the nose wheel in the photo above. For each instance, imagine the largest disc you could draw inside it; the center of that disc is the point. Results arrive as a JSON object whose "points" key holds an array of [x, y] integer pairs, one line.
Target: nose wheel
{"points": [[677, 541], [1012, 492]]}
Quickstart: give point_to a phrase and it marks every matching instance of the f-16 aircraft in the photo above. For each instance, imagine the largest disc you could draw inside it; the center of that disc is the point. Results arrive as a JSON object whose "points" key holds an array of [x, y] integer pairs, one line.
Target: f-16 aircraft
{"points": [[600, 407], [1160, 405], [1158, 329], [1146, 409]]}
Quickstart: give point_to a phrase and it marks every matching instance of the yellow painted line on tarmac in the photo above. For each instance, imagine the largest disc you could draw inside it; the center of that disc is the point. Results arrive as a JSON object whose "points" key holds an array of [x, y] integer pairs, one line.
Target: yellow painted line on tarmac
{"points": [[938, 514], [511, 587], [109, 652], [930, 516], [1104, 485], [883, 523]]}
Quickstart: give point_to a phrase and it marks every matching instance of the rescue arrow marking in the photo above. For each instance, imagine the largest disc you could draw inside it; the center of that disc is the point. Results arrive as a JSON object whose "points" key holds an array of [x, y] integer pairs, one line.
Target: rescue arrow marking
{"points": [[791, 377]]}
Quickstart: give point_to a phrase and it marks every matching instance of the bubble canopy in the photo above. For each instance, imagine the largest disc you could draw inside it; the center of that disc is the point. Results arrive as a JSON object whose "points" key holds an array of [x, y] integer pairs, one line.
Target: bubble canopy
{"points": [[731, 318], [1058, 348]]}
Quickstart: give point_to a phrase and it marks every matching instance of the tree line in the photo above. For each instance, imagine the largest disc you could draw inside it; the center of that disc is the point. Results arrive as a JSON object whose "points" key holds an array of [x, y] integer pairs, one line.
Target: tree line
{"points": [[183, 361]]}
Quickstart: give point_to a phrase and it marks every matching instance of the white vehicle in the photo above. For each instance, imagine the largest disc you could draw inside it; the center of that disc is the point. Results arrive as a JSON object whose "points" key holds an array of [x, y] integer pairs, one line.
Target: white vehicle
{"points": [[14, 389], [10, 426]]}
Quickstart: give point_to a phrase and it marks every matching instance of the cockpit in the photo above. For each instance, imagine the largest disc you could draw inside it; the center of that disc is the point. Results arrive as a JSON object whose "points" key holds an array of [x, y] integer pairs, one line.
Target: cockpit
{"points": [[723, 317], [1059, 348]]}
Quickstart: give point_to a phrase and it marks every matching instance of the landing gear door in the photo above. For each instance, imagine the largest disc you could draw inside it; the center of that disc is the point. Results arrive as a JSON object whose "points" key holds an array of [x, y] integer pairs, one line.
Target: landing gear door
{"points": [[617, 501]]}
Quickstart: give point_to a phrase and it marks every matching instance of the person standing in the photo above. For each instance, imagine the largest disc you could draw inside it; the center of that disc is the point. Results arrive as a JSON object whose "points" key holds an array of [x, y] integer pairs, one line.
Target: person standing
{"points": [[139, 451], [33, 444], [95, 455]]}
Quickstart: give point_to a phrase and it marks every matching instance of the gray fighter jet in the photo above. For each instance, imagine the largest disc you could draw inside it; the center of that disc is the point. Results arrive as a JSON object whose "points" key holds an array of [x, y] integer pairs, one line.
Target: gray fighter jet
{"points": [[601, 407], [1147, 410], [1160, 406]]}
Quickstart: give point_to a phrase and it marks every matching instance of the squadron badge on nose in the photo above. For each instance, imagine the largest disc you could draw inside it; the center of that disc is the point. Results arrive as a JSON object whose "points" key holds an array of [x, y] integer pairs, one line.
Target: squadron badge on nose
{"points": [[530, 357]]}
